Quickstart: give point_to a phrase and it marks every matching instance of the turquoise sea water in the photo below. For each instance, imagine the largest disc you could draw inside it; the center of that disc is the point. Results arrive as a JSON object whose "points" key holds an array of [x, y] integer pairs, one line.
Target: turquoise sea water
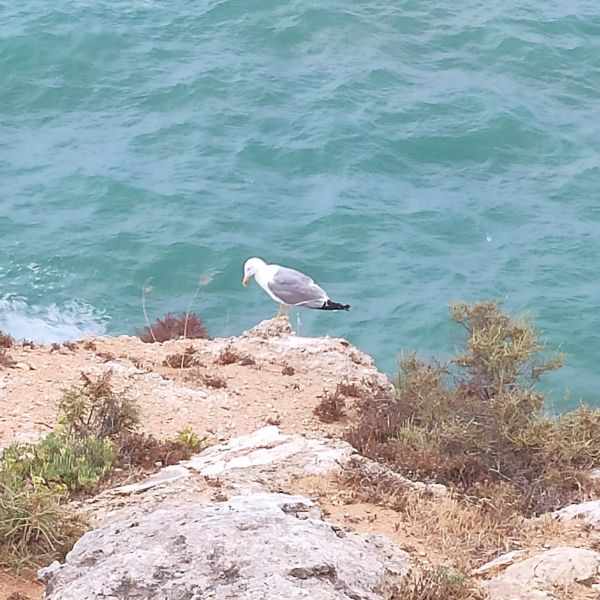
{"points": [[405, 154]]}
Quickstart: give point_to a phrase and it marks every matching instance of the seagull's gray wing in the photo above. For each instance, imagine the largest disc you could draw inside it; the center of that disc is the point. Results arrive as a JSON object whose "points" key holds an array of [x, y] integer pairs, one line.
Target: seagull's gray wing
{"points": [[296, 289]]}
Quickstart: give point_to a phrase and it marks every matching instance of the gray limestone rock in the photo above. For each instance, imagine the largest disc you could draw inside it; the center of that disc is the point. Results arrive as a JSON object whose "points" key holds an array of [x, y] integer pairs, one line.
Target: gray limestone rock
{"points": [[536, 577], [253, 547]]}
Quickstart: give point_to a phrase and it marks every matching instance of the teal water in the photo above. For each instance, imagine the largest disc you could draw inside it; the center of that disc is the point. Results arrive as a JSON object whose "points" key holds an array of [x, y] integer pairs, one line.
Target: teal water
{"points": [[405, 154]]}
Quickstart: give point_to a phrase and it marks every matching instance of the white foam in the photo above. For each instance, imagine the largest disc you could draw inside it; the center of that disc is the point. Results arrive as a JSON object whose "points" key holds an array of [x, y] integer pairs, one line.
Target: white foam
{"points": [[49, 324]]}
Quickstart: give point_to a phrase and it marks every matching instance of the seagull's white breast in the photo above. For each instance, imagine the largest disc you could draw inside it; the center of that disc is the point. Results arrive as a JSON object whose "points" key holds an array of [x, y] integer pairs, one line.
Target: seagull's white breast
{"points": [[264, 276]]}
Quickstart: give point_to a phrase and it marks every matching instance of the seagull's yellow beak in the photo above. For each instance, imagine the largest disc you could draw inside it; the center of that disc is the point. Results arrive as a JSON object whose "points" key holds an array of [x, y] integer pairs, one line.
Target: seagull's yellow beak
{"points": [[245, 280]]}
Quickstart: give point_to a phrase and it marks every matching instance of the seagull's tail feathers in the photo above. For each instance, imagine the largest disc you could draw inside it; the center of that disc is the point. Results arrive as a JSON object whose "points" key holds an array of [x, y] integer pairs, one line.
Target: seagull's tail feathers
{"points": [[330, 305]]}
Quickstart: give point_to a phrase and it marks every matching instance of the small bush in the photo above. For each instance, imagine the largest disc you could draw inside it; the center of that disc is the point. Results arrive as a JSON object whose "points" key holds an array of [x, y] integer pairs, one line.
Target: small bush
{"points": [[60, 461], [95, 409], [230, 355], [35, 528], [173, 327], [214, 381], [145, 451], [184, 360], [190, 439], [6, 340], [288, 370], [332, 407], [476, 421]]}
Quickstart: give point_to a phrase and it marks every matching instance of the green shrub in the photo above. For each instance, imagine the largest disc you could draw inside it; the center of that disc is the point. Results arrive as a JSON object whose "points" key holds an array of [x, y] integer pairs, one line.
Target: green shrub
{"points": [[477, 420], [60, 461], [190, 439]]}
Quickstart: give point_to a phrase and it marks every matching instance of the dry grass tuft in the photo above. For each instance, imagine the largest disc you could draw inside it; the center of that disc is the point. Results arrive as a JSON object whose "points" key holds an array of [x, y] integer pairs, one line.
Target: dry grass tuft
{"points": [[213, 380], [184, 360], [475, 529], [230, 355], [35, 528], [106, 356], [426, 582], [145, 451], [174, 327], [374, 485], [476, 422], [6, 340], [93, 408], [348, 389], [332, 407]]}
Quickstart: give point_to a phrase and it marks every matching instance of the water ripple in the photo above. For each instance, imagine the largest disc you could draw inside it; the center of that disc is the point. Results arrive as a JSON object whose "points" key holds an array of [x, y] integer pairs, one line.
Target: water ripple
{"points": [[407, 154]]}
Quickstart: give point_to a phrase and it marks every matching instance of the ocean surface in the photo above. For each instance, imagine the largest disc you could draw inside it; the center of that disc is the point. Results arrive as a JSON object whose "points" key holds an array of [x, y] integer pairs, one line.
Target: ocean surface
{"points": [[406, 154]]}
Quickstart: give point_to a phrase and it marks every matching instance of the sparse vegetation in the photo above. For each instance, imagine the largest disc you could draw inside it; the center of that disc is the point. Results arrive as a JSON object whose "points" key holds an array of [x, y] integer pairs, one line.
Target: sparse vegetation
{"points": [[435, 583], [106, 356], [97, 432], [6, 340], [173, 327], [288, 370], [348, 389], [477, 529], [214, 381], [332, 406], [376, 485], [61, 462], [95, 409], [477, 424], [230, 355], [35, 528], [190, 439], [139, 450], [183, 360]]}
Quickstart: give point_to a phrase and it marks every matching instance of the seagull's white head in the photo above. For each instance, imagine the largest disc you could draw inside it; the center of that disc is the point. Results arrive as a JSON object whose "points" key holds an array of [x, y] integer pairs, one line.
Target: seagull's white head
{"points": [[251, 267]]}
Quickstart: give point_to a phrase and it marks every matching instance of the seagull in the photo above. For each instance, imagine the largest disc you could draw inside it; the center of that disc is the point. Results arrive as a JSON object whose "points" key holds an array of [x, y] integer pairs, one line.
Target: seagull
{"points": [[289, 287]]}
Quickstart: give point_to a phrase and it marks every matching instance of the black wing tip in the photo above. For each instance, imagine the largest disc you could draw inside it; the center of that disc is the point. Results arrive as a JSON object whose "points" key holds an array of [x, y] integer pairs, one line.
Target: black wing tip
{"points": [[330, 305]]}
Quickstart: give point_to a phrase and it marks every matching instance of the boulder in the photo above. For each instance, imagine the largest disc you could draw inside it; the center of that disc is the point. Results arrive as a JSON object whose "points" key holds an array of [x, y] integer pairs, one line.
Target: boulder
{"points": [[258, 546], [537, 576], [587, 512], [268, 456]]}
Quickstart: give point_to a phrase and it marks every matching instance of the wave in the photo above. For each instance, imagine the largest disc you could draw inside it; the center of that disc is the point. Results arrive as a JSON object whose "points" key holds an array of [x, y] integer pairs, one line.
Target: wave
{"points": [[48, 324]]}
